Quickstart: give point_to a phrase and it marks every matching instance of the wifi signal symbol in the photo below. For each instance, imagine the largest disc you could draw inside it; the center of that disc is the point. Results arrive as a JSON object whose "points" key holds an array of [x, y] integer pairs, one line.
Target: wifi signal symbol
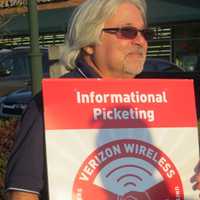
{"points": [[129, 183], [125, 175], [128, 175]]}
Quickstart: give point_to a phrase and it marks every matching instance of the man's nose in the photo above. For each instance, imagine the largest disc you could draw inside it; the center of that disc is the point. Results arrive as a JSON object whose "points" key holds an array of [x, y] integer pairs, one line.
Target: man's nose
{"points": [[140, 40]]}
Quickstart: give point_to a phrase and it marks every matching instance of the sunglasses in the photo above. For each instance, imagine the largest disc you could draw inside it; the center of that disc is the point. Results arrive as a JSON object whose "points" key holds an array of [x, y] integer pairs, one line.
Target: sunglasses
{"points": [[129, 32]]}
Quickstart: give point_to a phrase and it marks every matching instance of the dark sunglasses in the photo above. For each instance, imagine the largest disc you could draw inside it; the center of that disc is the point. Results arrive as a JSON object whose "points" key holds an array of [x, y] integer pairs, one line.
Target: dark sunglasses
{"points": [[129, 32]]}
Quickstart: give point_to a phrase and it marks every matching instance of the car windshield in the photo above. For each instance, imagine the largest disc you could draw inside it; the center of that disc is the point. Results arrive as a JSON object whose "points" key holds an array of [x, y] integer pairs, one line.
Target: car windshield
{"points": [[3, 56], [17, 63], [160, 65]]}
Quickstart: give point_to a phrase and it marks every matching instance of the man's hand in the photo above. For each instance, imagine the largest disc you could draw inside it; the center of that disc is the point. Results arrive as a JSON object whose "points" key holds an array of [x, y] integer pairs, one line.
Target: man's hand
{"points": [[196, 178], [17, 195]]}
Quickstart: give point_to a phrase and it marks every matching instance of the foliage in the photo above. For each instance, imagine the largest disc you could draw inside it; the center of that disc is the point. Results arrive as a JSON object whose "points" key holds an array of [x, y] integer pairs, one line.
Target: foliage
{"points": [[7, 129]]}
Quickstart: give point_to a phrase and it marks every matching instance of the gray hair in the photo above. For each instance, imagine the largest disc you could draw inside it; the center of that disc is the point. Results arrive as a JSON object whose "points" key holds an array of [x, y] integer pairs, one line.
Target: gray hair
{"points": [[86, 24]]}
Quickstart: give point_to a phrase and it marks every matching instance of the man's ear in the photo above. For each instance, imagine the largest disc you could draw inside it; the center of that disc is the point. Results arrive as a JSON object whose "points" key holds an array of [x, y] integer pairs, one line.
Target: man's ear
{"points": [[89, 50]]}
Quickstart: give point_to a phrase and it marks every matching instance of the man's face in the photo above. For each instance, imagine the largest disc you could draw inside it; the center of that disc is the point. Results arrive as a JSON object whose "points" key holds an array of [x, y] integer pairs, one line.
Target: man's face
{"points": [[119, 57]]}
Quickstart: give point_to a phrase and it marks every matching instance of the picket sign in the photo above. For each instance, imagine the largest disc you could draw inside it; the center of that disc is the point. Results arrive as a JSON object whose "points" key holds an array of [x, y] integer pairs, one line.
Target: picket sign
{"points": [[120, 139]]}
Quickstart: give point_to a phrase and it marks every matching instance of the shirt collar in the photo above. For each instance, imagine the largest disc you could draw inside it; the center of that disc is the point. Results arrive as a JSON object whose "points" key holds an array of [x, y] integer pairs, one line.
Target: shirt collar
{"points": [[86, 70]]}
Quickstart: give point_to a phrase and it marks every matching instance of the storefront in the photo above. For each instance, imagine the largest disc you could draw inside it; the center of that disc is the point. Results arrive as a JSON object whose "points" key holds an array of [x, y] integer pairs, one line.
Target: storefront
{"points": [[178, 43]]}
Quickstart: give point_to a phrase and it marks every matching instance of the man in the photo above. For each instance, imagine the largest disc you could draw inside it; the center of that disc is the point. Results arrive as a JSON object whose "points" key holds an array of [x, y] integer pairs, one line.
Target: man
{"points": [[105, 39]]}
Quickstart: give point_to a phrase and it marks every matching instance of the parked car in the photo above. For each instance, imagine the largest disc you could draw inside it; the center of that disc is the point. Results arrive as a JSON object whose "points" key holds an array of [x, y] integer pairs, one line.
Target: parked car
{"points": [[15, 103], [167, 70], [153, 65], [15, 69]]}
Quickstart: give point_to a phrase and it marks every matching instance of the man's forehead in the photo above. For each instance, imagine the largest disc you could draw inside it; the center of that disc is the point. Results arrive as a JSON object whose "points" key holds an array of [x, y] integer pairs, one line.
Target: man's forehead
{"points": [[126, 13]]}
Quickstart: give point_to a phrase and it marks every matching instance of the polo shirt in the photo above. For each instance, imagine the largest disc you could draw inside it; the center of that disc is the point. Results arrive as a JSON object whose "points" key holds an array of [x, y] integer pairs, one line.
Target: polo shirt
{"points": [[26, 168]]}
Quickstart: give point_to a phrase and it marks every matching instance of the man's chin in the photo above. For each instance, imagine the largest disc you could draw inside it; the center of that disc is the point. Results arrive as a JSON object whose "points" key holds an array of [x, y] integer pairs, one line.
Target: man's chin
{"points": [[133, 66], [133, 70]]}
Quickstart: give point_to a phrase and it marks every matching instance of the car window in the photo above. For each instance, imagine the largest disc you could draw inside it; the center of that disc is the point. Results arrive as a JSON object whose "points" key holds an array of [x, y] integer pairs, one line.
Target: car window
{"points": [[3, 56], [159, 65], [197, 66], [45, 62], [155, 65], [150, 66], [21, 64], [6, 62], [189, 62], [17, 64]]}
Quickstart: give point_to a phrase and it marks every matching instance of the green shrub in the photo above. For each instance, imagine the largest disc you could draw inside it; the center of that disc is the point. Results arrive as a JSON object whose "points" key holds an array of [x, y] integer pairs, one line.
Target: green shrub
{"points": [[7, 129]]}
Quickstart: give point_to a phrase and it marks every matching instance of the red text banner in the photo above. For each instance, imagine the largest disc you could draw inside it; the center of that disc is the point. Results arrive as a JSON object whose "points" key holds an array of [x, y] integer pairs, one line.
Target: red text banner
{"points": [[92, 103]]}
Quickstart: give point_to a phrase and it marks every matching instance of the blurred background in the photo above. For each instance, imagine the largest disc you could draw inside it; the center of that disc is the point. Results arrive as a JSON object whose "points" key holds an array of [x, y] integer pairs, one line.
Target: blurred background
{"points": [[174, 52]]}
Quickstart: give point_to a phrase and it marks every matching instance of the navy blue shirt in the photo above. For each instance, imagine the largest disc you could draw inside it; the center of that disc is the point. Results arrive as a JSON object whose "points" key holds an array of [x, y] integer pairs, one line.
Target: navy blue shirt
{"points": [[26, 169]]}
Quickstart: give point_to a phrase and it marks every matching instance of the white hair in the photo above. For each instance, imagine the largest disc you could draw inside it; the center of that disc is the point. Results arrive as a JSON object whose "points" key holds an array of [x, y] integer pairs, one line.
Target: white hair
{"points": [[86, 24]]}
